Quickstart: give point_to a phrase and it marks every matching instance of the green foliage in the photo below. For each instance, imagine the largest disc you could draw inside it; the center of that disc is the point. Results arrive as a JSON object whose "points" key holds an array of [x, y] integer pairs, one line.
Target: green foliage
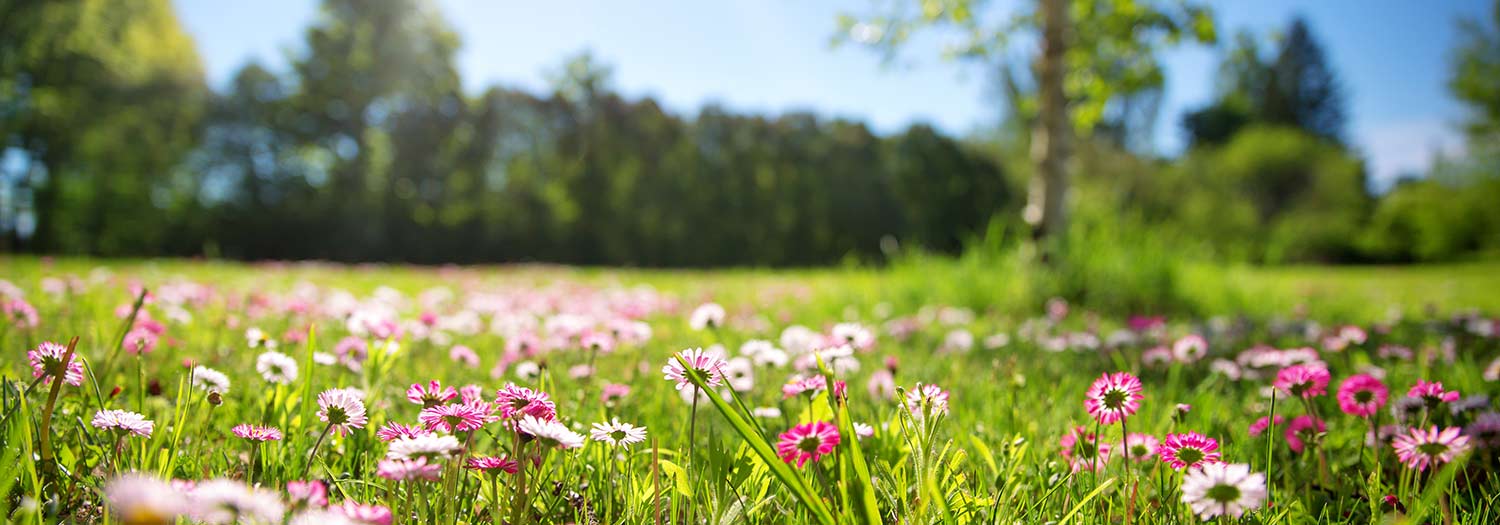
{"points": [[101, 99], [1273, 195], [1476, 66]]}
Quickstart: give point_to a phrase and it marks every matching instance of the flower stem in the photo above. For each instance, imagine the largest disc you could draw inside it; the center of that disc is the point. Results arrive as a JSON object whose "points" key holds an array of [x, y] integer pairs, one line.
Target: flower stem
{"points": [[314, 455], [49, 467]]}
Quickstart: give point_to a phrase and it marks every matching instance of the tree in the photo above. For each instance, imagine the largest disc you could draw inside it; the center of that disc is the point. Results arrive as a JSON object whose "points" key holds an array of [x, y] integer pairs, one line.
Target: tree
{"points": [[1475, 78], [1303, 90], [1296, 87], [100, 99], [371, 66], [1091, 53]]}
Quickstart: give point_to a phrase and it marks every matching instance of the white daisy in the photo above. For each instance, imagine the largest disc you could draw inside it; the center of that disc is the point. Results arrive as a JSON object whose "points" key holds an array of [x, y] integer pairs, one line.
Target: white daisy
{"points": [[1223, 489], [276, 367], [210, 380], [430, 446], [550, 433], [225, 501], [618, 434]]}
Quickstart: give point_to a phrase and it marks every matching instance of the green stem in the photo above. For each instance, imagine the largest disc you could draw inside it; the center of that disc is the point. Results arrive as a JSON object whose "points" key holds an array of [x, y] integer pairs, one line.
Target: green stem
{"points": [[314, 455]]}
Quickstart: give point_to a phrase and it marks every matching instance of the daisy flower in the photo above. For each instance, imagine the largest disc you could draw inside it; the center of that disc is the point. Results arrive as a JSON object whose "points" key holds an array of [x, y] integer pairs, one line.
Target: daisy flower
{"points": [[392, 431], [707, 315], [256, 433], [1222, 489], [613, 393], [276, 367], [927, 399], [862, 430], [47, 361], [1190, 348], [308, 493], [431, 394], [322, 517], [134, 498], [739, 372], [257, 338], [210, 380], [1188, 450], [408, 469], [492, 464], [342, 409], [1420, 448], [518, 401], [1142, 447], [550, 433], [1432, 393], [225, 501], [1084, 451], [853, 334], [1485, 430], [1302, 428], [1113, 397], [618, 434], [366, 514], [123, 422], [808, 441], [1362, 395], [1260, 425], [455, 418], [707, 365], [1305, 381], [428, 446]]}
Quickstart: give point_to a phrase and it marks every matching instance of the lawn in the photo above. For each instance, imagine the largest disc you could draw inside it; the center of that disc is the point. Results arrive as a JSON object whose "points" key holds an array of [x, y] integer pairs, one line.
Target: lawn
{"points": [[489, 395]]}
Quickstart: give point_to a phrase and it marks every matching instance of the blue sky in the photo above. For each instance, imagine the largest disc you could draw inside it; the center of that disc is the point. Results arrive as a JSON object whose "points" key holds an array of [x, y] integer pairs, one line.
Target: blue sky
{"points": [[773, 56]]}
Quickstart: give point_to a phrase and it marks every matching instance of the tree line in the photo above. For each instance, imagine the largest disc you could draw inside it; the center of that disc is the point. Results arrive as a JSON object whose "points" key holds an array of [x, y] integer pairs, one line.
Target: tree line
{"points": [[367, 148]]}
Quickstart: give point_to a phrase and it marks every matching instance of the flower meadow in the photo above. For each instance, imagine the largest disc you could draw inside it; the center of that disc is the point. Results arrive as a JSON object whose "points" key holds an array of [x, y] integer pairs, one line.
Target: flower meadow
{"points": [[314, 394]]}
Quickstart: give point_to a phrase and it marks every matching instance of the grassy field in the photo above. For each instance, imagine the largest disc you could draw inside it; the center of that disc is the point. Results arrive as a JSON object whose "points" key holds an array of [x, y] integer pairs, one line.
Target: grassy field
{"points": [[965, 399]]}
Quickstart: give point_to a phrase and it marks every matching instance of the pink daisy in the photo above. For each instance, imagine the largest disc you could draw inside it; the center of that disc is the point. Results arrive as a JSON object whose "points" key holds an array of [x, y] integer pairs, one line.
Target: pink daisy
{"points": [[1306, 381], [393, 431], [366, 514], [799, 385], [1113, 397], [1142, 447], [123, 422], [927, 399], [1420, 448], [310, 493], [1433, 393], [431, 394], [517, 401], [1188, 450], [1260, 425], [1362, 395], [709, 366], [256, 433], [808, 441], [613, 393], [342, 409], [471, 393], [1083, 450], [455, 418], [493, 464], [408, 469], [1302, 428], [47, 361], [139, 341]]}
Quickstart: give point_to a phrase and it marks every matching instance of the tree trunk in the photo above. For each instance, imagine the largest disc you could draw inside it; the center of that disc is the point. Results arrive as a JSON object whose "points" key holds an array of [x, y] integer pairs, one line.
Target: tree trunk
{"points": [[1046, 211]]}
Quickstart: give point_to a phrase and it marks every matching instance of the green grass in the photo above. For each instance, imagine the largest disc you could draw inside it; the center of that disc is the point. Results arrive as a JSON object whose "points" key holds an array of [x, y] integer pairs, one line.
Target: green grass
{"points": [[995, 457]]}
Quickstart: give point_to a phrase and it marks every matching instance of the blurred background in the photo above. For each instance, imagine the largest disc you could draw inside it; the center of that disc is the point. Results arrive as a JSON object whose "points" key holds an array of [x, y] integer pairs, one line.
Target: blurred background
{"points": [[751, 133]]}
